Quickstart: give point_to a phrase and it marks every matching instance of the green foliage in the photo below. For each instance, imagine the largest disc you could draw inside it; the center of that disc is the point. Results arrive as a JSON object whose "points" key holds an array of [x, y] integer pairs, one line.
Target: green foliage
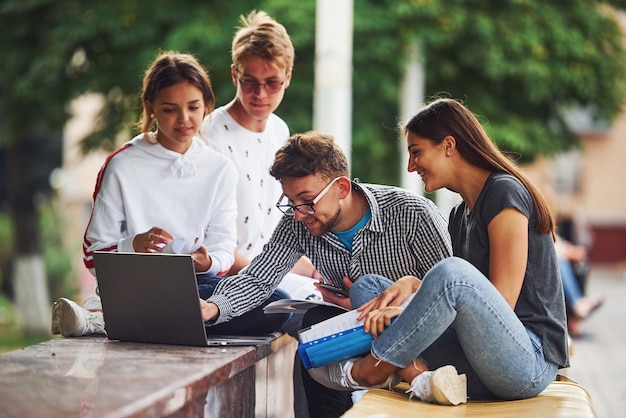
{"points": [[517, 63], [11, 337], [58, 257], [297, 106], [378, 71]]}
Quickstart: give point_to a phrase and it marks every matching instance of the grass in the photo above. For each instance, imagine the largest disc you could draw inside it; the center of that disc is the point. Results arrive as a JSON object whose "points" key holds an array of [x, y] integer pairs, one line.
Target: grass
{"points": [[11, 337]]}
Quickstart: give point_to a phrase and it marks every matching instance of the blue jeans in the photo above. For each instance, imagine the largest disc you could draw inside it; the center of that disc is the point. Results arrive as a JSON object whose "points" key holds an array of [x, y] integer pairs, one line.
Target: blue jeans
{"points": [[570, 284], [254, 322], [458, 317]]}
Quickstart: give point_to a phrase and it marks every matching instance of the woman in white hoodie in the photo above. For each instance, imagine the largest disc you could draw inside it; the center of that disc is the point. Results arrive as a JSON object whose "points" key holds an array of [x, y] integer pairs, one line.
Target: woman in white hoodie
{"points": [[165, 183]]}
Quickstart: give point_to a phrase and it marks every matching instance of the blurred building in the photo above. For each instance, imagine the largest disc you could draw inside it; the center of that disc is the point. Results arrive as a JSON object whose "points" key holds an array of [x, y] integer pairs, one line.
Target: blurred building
{"points": [[587, 190], [76, 180], [587, 187]]}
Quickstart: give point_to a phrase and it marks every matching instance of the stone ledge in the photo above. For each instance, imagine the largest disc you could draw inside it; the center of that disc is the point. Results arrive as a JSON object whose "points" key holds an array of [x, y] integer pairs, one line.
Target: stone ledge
{"points": [[93, 376]]}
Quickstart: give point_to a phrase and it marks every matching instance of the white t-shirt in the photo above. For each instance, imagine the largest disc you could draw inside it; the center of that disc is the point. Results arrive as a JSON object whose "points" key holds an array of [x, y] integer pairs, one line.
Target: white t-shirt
{"points": [[257, 191]]}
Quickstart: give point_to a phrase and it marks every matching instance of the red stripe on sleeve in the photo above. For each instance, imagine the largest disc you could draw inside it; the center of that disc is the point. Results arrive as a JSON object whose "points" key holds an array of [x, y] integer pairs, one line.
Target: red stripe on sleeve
{"points": [[88, 255]]}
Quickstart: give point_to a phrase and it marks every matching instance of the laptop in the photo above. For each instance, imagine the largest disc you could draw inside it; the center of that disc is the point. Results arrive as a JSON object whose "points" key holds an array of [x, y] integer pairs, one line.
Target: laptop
{"points": [[153, 298]]}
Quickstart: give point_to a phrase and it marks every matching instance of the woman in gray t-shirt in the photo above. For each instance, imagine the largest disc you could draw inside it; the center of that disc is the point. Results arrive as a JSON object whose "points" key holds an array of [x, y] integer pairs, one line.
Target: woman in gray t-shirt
{"points": [[489, 322]]}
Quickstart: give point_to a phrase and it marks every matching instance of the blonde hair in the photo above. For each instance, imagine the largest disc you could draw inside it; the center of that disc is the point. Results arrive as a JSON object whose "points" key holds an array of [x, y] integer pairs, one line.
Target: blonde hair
{"points": [[261, 36]]}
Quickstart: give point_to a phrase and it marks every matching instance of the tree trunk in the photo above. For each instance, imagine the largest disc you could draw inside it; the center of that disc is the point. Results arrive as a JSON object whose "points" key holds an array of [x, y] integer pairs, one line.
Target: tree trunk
{"points": [[29, 279], [32, 305]]}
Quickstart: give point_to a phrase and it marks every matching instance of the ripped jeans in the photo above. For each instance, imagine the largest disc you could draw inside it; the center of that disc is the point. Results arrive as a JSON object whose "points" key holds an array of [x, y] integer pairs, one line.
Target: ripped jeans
{"points": [[458, 317]]}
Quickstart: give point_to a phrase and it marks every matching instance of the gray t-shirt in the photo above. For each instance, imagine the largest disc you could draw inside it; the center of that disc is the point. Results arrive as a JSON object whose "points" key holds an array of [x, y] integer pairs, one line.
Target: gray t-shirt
{"points": [[541, 305]]}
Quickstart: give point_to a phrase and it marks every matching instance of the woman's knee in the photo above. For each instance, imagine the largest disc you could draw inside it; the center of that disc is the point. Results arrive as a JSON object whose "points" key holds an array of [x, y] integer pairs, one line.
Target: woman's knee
{"points": [[367, 288], [452, 267], [454, 264]]}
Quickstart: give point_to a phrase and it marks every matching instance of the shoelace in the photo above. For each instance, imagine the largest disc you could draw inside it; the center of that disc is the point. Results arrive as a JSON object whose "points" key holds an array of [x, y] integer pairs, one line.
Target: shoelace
{"points": [[94, 320], [414, 383]]}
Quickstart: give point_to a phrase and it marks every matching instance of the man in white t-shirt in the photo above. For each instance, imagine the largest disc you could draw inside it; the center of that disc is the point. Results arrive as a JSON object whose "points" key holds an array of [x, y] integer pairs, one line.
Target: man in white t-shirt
{"points": [[249, 133]]}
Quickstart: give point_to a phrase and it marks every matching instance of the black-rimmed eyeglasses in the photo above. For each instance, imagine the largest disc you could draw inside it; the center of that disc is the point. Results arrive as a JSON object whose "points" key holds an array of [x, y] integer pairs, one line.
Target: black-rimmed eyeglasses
{"points": [[304, 208]]}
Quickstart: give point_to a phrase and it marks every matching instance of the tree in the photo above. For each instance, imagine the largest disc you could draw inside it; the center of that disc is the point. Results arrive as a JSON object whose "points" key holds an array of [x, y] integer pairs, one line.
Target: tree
{"points": [[53, 51], [518, 63]]}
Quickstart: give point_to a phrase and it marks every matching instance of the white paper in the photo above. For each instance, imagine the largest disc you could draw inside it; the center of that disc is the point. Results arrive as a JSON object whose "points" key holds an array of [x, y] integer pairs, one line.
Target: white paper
{"points": [[300, 287], [183, 246], [334, 325]]}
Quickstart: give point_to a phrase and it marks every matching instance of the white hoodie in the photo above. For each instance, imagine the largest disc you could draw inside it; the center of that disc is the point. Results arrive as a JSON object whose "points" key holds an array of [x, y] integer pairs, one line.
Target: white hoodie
{"points": [[143, 185]]}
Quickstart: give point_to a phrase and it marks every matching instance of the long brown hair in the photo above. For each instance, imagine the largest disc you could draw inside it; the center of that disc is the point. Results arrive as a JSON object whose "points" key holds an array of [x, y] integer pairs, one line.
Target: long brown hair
{"points": [[443, 117], [170, 68]]}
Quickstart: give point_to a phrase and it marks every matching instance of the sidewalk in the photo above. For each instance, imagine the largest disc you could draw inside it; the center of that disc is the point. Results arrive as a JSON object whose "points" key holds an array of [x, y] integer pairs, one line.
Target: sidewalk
{"points": [[599, 358]]}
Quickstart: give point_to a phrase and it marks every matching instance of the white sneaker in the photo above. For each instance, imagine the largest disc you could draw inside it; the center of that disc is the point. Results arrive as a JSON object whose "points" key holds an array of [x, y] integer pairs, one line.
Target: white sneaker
{"points": [[338, 376], [71, 320], [443, 386], [93, 303]]}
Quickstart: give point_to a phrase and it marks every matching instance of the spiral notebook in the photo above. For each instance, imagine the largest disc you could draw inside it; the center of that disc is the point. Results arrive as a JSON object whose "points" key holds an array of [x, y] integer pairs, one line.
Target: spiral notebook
{"points": [[153, 298]]}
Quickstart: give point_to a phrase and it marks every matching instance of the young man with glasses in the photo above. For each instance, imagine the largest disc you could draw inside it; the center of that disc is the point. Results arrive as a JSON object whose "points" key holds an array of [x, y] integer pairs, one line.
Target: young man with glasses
{"points": [[248, 132], [346, 228]]}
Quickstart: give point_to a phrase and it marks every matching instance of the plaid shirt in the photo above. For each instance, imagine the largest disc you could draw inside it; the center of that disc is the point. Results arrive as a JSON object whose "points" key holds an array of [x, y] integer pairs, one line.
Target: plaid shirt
{"points": [[406, 235]]}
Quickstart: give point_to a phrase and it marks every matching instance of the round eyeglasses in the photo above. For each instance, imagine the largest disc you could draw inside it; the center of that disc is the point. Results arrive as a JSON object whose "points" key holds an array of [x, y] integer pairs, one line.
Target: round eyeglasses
{"points": [[304, 208], [251, 86]]}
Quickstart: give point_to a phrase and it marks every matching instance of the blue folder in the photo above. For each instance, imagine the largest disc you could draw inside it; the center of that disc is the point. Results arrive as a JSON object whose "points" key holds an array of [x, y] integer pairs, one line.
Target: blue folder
{"points": [[342, 345]]}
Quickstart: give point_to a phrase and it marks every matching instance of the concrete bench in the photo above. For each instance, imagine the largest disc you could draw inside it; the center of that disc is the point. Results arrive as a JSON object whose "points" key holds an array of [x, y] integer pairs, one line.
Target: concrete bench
{"points": [[563, 398], [96, 377]]}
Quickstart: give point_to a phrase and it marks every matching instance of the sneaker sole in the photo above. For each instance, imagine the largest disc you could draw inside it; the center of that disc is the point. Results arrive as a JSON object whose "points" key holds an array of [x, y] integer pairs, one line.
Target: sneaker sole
{"points": [[64, 319], [448, 387]]}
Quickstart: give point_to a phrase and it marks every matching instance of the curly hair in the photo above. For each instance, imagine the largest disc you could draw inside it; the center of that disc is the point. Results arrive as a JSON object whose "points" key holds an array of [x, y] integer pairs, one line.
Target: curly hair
{"points": [[310, 153]]}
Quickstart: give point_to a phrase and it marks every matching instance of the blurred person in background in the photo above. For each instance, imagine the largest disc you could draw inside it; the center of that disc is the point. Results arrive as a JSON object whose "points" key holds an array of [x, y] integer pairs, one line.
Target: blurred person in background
{"points": [[573, 261]]}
